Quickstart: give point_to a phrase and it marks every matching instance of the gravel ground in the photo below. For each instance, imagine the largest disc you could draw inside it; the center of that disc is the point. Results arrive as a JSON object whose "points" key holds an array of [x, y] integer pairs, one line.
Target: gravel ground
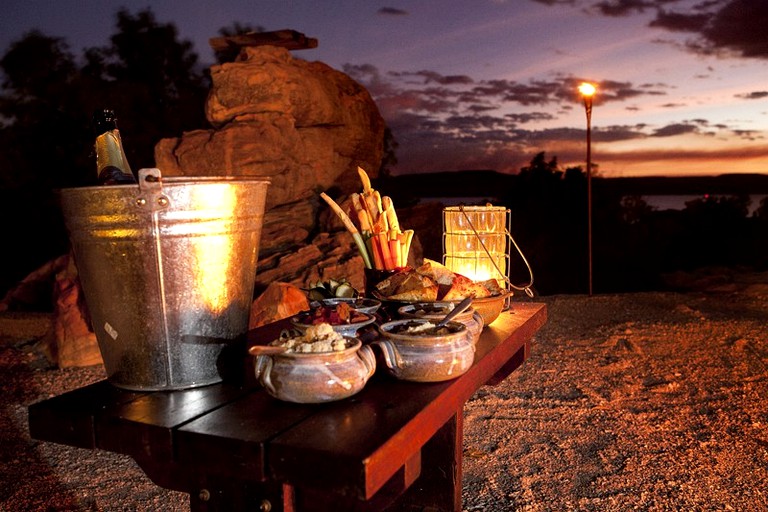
{"points": [[650, 402]]}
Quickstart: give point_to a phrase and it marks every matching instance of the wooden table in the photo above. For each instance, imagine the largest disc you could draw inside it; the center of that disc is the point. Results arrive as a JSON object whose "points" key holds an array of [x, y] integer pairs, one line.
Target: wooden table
{"points": [[394, 446]]}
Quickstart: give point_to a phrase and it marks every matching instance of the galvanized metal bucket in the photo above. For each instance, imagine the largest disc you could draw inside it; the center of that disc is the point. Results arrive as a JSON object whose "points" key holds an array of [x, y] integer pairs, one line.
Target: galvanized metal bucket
{"points": [[167, 270]]}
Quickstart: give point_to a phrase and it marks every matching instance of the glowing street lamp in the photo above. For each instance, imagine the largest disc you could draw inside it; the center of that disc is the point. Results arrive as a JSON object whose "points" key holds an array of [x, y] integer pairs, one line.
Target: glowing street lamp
{"points": [[587, 91]]}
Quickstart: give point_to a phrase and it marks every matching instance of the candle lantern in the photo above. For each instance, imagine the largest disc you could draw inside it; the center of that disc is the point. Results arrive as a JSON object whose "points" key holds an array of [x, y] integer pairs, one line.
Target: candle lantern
{"points": [[477, 243]]}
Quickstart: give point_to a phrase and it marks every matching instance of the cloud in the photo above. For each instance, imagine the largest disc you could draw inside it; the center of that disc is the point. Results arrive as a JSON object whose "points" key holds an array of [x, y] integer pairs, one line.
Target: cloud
{"points": [[721, 26], [730, 27], [754, 95], [392, 11], [465, 123], [623, 7]]}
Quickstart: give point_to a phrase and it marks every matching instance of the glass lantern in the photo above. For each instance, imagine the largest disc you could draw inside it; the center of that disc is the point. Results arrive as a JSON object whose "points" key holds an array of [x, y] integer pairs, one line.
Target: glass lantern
{"points": [[477, 243]]}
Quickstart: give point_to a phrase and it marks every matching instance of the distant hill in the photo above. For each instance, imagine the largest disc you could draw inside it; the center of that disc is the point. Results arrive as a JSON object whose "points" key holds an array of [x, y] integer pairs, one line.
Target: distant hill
{"points": [[486, 183]]}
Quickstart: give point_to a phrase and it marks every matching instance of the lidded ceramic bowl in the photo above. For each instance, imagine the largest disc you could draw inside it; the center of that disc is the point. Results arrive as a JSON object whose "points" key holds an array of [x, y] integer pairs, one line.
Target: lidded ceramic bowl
{"points": [[315, 377], [422, 357], [436, 311]]}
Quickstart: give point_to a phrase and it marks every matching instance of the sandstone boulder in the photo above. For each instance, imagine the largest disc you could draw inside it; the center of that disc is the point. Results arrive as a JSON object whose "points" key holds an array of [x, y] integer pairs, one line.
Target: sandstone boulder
{"points": [[304, 125]]}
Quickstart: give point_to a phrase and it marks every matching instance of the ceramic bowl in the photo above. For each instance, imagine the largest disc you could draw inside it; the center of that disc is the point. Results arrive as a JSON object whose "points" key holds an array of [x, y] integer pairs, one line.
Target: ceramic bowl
{"points": [[426, 358], [301, 322], [316, 377], [490, 307], [436, 311], [364, 305]]}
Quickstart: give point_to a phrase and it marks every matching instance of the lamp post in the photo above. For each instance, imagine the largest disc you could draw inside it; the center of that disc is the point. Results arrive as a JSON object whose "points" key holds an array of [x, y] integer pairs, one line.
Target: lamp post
{"points": [[587, 91]]}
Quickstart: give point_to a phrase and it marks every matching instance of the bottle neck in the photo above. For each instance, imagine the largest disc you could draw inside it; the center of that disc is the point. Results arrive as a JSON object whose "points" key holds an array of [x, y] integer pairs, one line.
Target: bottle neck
{"points": [[111, 164]]}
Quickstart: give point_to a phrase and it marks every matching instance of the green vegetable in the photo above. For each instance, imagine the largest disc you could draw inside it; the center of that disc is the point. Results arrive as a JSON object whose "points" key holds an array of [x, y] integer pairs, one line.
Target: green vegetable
{"points": [[330, 289]]}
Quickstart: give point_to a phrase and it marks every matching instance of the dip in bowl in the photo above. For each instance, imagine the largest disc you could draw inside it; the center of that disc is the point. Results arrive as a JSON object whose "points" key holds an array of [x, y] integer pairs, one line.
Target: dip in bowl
{"points": [[414, 350], [341, 317], [436, 311], [317, 366]]}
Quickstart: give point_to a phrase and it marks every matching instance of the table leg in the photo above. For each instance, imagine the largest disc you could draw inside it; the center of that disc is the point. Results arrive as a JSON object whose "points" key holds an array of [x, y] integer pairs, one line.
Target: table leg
{"points": [[232, 495], [438, 489]]}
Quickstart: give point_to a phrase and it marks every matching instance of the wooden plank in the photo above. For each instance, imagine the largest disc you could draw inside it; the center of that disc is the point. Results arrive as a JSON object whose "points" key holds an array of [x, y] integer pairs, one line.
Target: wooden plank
{"points": [[70, 418], [231, 440], [144, 427]]}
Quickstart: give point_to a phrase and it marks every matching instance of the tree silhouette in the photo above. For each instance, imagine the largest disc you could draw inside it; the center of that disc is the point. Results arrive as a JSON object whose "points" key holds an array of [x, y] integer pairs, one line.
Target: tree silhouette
{"points": [[149, 77], [151, 80]]}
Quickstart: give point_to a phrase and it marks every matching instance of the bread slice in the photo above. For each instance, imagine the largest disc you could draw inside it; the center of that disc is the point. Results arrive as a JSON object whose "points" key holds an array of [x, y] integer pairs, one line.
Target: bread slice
{"points": [[493, 287], [390, 285], [436, 271], [425, 294], [408, 285], [462, 289]]}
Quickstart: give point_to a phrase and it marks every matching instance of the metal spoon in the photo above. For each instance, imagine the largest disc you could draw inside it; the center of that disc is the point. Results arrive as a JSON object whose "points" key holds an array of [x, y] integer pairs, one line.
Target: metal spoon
{"points": [[266, 350], [460, 308]]}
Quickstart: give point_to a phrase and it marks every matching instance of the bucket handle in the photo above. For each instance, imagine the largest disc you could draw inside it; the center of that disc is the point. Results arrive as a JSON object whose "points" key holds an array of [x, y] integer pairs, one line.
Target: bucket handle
{"points": [[526, 287], [151, 196]]}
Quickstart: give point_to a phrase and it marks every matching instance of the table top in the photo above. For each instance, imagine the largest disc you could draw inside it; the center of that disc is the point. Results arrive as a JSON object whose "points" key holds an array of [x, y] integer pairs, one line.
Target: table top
{"points": [[236, 430]]}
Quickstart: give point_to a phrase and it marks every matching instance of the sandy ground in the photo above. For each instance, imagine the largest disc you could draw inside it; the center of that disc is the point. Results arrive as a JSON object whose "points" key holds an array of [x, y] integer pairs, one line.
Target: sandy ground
{"points": [[650, 402]]}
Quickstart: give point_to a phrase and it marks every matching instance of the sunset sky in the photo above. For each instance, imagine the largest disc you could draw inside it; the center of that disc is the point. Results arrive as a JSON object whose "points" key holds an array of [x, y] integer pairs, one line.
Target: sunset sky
{"points": [[487, 84]]}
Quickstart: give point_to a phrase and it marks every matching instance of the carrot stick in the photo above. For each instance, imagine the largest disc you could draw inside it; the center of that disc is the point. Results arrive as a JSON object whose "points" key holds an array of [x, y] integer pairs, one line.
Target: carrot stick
{"points": [[386, 254], [394, 250]]}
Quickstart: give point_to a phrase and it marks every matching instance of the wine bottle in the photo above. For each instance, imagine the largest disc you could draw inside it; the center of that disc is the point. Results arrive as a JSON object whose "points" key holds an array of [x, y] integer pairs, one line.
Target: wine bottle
{"points": [[111, 164]]}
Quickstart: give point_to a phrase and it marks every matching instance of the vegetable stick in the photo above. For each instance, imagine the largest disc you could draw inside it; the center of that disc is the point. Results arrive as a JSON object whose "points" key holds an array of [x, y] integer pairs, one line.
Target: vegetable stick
{"points": [[389, 211], [365, 179], [362, 215], [377, 199], [386, 254], [380, 225], [394, 250], [375, 252], [408, 240], [350, 227], [402, 239], [370, 206]]}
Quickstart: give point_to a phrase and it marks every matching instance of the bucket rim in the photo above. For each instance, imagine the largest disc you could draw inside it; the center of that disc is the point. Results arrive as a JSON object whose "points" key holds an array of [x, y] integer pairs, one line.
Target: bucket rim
{"points": [[179, 180]]}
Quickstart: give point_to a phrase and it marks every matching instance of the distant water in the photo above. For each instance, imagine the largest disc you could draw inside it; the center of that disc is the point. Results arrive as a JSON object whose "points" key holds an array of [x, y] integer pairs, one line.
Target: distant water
{"points": [[660, 202], [669, 202]]}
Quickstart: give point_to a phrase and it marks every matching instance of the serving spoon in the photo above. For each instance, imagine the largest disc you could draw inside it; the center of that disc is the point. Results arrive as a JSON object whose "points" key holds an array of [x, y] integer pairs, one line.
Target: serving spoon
{"points": [[460, 308], [266, 350]]}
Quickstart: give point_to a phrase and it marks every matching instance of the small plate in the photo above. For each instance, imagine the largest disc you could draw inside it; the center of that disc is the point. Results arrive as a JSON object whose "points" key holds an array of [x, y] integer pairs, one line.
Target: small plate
{"points": [[361, 304], [349, 329]]}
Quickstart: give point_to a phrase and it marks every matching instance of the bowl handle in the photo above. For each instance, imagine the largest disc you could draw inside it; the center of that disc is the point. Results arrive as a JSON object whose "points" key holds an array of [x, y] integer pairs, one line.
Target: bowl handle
{"points": [[390, 353], [368, 358], [262, 367], [479, 319]]}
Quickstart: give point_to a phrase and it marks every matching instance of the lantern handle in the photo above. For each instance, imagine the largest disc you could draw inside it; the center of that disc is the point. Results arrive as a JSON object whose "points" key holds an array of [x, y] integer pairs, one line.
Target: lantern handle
{"points": [[525, 288]]}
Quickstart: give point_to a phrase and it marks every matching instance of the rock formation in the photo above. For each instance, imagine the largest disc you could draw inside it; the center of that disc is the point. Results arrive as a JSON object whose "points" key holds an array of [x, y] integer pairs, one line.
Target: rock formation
{"points": [[306, 127]]}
